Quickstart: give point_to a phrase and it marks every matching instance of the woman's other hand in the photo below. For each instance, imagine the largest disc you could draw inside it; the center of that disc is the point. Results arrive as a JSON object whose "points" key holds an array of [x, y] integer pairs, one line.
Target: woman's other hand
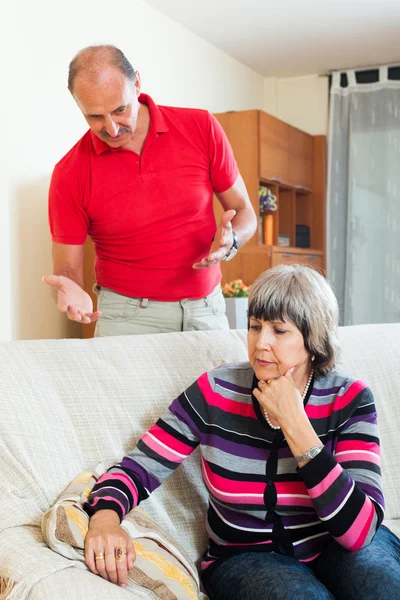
{"points": [[112, 546]]}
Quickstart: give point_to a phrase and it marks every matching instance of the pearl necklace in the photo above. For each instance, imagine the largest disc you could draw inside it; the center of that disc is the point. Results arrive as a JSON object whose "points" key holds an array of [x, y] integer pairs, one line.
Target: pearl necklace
{"points": [[266, 415]]}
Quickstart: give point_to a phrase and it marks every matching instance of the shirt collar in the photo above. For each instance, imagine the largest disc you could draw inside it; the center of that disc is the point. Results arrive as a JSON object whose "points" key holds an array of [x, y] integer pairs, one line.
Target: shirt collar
{"points": [[157, 124]]}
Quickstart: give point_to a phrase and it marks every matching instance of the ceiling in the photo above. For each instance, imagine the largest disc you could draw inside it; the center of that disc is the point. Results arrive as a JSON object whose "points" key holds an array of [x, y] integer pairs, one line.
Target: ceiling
{"points": [[288, 38]]}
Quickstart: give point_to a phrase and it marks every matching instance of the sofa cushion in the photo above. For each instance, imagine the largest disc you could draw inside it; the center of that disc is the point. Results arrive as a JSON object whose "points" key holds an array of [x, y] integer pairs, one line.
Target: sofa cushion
{"points": [[161, 565]]}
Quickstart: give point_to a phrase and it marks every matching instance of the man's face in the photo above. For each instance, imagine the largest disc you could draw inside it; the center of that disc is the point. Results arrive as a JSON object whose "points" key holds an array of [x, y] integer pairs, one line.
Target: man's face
{"points": [[109, 104]]}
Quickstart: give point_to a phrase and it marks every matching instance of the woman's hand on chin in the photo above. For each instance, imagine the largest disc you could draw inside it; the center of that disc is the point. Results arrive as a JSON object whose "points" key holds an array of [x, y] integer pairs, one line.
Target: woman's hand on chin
{"points": [[282, 400]]}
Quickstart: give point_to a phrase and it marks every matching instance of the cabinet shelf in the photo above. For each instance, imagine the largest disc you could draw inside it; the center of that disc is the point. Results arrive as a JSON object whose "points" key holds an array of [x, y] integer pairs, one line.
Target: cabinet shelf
{"points": [[292, 165]]}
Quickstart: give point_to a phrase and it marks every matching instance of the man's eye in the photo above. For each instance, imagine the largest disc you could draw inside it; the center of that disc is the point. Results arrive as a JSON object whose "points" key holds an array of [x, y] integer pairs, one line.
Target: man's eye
{"points": [[121, 109]]}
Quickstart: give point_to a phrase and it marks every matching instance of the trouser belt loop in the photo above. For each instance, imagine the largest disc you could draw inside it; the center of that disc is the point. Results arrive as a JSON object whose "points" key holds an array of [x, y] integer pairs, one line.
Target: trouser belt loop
{"points": [[144, 302]]}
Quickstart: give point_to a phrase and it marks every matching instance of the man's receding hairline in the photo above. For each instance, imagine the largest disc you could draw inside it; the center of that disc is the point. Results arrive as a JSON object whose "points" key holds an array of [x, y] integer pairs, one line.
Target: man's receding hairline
{"points": [[92, 60]]}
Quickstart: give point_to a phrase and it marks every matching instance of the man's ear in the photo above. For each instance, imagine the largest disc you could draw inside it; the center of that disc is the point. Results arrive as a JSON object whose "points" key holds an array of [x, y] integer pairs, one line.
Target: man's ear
{"points": [[138, 82]]}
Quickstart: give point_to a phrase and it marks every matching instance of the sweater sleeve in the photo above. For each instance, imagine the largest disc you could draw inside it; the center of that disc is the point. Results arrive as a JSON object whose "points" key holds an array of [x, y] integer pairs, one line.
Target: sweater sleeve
{"points": [[346, 486], [157, 454]]}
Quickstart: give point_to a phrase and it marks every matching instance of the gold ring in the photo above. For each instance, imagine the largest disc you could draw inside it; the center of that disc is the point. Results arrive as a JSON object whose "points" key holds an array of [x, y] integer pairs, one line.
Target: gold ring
{"points": [[119, 553], [99, 556]]}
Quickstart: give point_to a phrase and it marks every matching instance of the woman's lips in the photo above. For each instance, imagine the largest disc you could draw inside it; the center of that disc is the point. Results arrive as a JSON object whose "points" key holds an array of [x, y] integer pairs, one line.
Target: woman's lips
{"points": [[264, 363]]}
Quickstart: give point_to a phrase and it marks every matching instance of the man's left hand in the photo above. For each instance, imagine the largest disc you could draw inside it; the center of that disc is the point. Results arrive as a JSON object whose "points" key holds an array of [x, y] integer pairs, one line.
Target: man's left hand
{"points": [[222, 242]]}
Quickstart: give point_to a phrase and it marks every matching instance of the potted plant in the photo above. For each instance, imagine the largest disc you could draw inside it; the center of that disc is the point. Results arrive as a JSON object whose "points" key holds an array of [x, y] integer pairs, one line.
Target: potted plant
{"points": [[236, 298]]}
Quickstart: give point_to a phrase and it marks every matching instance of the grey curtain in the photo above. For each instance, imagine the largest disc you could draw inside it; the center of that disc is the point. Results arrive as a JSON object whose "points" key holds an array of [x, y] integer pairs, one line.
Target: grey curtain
{"points": [[363, 216]]}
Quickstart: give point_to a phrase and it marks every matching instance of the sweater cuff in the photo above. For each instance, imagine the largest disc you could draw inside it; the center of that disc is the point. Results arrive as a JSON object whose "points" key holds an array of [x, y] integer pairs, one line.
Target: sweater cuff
{"points": [[101, 504], [317, 468]]}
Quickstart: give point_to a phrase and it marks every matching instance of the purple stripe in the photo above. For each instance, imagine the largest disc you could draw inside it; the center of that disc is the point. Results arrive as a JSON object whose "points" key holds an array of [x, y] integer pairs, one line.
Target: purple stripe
{"points": [[180, 413], [242, 450], [369, 418], [371, 491], [227, 385], [328, 392], [332, 506], [147, 480]]}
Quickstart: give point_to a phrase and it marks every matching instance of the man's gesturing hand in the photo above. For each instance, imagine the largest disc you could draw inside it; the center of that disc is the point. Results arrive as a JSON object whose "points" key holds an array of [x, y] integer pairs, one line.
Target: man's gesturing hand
{"points": [[223, 240], [72, 299]]}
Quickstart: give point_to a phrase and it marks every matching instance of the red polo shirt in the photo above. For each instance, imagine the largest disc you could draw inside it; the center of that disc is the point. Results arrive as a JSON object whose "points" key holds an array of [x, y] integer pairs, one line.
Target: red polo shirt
{"points": [[150, 216]]}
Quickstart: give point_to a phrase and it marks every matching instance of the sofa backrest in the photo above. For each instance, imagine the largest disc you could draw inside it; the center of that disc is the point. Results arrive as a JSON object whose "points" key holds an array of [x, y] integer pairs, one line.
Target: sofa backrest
{"points": [[66, 405]]}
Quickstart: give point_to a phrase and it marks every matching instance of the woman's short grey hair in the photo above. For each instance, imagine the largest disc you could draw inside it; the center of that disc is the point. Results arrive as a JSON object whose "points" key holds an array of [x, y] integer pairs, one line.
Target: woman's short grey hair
{"points": [[300, 294]]}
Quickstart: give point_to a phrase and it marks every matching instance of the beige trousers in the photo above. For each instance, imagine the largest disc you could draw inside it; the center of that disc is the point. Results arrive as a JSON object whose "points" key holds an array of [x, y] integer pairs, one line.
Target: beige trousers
{"points": [[122, 315]]}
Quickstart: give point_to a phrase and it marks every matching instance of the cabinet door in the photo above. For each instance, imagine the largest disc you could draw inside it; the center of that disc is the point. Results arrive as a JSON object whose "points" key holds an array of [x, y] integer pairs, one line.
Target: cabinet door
{"points": [[247, 266], [313, 260], [274, 155], [89, 279], [300, 158]]}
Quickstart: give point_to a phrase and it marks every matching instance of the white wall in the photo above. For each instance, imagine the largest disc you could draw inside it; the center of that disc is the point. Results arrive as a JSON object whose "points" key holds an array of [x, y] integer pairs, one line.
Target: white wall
{"points": [[176, 67], [299, 101]]}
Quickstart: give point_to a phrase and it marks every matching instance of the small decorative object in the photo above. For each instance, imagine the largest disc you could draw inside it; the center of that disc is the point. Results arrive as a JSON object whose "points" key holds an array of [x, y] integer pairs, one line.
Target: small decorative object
{"points": [[302, 236], [235, 289], [268, 229], [236, 293], [283, 240], [268, 202]]}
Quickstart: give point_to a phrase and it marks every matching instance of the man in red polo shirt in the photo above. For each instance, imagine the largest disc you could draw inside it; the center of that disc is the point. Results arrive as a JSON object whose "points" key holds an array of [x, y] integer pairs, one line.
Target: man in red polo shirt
{"points": [[140, 183]]}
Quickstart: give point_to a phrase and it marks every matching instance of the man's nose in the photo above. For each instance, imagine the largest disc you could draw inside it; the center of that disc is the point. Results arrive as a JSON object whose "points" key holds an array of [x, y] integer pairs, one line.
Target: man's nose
{"points": [[111, 127]]}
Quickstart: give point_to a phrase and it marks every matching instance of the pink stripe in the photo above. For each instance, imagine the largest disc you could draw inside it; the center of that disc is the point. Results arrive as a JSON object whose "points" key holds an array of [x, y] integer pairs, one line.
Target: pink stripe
{"points": [[355, 536], [309, 559], [160, 450], [368, 458], [230, 406], [170, 441], [349, 395], [296, 501], [357, 445], [291, 487], [326, 483], [326, 410], [98, 498], [125, 479]]}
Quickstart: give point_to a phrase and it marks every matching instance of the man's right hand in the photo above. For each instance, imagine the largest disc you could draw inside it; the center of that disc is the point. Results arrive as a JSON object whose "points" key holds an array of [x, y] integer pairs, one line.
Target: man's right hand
{"points": [[72, 299]]}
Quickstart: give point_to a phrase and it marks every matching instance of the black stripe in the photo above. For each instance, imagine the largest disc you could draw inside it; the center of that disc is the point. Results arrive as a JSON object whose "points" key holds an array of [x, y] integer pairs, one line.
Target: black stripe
{"points": [[179, 436]]}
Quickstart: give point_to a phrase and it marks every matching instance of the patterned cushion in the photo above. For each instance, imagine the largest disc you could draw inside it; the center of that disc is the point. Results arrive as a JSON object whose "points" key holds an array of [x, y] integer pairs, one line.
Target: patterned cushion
{"points": [[161, 565]]}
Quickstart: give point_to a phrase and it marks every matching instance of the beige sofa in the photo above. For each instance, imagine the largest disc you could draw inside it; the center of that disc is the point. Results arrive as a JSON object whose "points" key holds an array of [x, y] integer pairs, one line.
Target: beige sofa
{"points": [[67, 404]]}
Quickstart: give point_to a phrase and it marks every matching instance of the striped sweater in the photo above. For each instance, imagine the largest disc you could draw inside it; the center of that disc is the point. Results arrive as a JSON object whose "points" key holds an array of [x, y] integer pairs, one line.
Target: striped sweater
{"points": [[259, 500]]}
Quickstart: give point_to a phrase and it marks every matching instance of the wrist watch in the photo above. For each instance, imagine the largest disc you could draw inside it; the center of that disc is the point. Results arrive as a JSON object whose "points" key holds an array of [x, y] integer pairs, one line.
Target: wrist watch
{"points": [[309, 454], [234, 248]]}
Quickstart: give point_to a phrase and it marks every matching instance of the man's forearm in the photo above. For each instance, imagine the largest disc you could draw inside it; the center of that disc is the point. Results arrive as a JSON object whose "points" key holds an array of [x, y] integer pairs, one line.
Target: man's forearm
{"points": [[244, 224], [75, 274]]}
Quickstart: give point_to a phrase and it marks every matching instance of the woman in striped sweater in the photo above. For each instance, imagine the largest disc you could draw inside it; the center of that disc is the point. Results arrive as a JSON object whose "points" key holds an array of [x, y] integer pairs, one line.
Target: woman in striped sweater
{"points": [[290, 458]]}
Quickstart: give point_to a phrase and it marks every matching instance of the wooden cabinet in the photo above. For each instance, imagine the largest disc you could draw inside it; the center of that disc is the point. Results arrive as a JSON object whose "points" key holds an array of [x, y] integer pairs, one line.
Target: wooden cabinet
{"points": [[305, 257], [292, 165], [300, 158], [274, 148]]}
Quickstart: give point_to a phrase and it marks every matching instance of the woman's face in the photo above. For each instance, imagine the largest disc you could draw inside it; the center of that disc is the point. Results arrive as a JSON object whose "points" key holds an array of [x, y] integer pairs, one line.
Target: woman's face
{"points": [[275, 347]]}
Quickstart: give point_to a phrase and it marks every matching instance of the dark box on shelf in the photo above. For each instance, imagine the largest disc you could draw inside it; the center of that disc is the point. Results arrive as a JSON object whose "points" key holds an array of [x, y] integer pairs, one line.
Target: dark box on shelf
{"points": [[302, 236]]}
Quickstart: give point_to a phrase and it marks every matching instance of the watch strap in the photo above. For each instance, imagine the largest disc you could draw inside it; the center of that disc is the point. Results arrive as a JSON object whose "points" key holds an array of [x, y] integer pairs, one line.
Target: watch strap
{"points": [[311, 453]]}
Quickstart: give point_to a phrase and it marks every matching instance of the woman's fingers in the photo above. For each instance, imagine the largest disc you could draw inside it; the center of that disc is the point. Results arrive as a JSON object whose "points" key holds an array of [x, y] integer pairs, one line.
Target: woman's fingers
{"points": [[130, 555]]}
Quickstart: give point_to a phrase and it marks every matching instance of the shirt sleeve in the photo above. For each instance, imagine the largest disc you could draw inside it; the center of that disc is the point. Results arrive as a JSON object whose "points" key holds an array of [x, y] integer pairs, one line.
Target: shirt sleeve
{"points": [[223, 167], [68, 219], [346, 486], [158, 453]]}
